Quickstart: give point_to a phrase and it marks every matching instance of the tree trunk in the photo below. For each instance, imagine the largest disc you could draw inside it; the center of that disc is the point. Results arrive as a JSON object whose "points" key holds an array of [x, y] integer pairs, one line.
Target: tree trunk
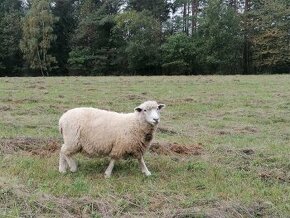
{"points": [[39, 59], [246, 42], [187, 17], [194, 8], [184, 17]]}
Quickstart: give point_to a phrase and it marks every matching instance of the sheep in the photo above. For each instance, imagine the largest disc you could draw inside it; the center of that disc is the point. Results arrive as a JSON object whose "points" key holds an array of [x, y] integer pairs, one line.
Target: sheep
{"points": [[107, 133]]}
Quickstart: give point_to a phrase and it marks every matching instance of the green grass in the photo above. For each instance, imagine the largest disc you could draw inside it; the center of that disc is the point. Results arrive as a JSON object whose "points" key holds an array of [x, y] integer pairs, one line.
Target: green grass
{"points": [[242, 122]]}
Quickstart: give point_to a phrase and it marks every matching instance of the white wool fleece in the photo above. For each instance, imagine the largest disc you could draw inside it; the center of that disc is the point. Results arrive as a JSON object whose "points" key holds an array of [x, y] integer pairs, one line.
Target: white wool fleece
{"points": [[100, 132]]}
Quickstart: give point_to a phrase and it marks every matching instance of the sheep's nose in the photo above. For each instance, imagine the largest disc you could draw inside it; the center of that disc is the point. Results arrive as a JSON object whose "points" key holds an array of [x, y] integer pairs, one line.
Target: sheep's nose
{"points": [[156, 120]]}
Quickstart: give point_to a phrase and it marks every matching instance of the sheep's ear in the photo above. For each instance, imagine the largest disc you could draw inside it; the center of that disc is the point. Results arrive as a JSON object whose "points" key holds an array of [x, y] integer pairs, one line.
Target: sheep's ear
{"points": [[138, 109], [160, 106]]}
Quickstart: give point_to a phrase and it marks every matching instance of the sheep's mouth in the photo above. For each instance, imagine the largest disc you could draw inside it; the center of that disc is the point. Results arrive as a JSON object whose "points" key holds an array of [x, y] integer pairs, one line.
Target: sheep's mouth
{"points": [[154, 123]]}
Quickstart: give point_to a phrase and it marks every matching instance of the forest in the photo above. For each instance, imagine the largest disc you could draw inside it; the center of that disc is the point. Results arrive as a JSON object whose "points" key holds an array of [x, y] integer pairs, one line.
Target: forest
{"points": [[148, 37]]}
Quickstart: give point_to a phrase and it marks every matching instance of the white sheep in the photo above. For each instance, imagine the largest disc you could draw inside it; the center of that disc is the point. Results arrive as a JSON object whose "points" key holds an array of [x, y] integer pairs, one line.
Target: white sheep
{"points": [[101, 132]]}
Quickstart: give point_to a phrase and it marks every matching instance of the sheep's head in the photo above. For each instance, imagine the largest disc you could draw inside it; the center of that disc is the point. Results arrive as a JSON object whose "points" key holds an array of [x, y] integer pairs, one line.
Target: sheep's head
{"points": [[150, 111]]}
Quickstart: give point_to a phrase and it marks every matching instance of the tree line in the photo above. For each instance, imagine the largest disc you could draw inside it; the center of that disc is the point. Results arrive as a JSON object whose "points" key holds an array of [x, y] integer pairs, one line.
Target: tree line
{"points": [[148, 37]]}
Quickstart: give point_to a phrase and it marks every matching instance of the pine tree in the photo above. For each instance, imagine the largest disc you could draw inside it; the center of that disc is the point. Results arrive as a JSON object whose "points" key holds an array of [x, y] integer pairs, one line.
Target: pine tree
{"points": [[38, 36], [93, 50], [10, 34], [159, 9], [66, 12]]}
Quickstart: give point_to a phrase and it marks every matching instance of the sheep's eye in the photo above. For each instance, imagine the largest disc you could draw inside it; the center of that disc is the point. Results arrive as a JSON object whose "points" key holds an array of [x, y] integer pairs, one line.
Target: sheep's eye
{"points": [[145, 110]]}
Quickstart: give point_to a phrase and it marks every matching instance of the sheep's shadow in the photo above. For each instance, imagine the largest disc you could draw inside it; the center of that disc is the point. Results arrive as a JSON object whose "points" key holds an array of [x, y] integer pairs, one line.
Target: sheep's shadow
{"points": [[94, 166]]}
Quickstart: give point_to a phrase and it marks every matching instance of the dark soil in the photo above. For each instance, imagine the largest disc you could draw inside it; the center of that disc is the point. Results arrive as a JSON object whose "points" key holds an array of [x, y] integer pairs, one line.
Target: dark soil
{"points": [[34, 146], [168, 148]]}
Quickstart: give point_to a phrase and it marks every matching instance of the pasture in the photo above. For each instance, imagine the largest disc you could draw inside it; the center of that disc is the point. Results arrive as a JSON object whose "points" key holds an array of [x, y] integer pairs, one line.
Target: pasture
{"points": [[232, 135]]}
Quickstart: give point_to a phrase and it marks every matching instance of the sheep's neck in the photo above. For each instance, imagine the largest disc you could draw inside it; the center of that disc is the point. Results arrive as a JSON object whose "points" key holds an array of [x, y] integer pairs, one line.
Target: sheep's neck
{"points": [[146, 133], [146, 128]]}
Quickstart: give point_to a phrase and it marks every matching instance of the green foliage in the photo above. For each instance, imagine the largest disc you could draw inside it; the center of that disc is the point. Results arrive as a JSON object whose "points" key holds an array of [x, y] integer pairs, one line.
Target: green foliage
{"points": [[115, 37], [66, 11], [10, 6], [178, 67], [270, 23], [10, 34], [178, 54], [139, 34], [159, 9], [92, 47], [219, 39], [38, 36]]}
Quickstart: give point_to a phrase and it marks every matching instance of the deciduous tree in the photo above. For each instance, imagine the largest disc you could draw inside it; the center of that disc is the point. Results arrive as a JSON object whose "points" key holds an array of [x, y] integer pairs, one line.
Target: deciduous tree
{"points": [[140, 37], [178, 54], [38, 36], [270, 24], [219, 39]]}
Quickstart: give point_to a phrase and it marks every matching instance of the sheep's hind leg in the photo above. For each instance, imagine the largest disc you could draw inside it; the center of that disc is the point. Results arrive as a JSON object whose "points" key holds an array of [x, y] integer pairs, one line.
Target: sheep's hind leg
{"points": [[62, 163], [108, 171], [143, 166], [66, 153]]}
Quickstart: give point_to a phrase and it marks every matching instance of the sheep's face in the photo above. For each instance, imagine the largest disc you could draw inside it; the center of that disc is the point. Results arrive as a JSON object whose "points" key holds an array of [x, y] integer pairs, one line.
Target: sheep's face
{"points": [[150, 112]]}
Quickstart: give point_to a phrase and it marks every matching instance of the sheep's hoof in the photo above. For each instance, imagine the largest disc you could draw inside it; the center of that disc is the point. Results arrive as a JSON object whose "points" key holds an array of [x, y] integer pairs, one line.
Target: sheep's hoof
{"points": [[148, 173], [62, 171], [107, 176], [73, 170]]}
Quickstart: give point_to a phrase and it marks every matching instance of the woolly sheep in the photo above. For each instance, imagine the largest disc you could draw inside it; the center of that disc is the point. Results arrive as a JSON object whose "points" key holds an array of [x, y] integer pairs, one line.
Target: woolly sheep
{"points": [[100, 132]]}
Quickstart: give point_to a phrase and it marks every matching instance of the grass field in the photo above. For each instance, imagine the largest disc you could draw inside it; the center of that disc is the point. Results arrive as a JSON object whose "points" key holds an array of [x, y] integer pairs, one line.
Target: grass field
{"points": [[241, 125]]}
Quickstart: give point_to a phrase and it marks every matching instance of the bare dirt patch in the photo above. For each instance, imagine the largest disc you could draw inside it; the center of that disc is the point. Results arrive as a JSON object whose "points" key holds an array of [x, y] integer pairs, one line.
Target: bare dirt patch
{"points": [[248, 151], [168, 148], [33, 146], [275, 175], [5, 108]]}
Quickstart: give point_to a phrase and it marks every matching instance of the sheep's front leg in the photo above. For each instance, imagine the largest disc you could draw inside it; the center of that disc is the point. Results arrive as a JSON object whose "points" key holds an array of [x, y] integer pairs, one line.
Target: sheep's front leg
{"points": [[108, 171], [143, 167]]}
